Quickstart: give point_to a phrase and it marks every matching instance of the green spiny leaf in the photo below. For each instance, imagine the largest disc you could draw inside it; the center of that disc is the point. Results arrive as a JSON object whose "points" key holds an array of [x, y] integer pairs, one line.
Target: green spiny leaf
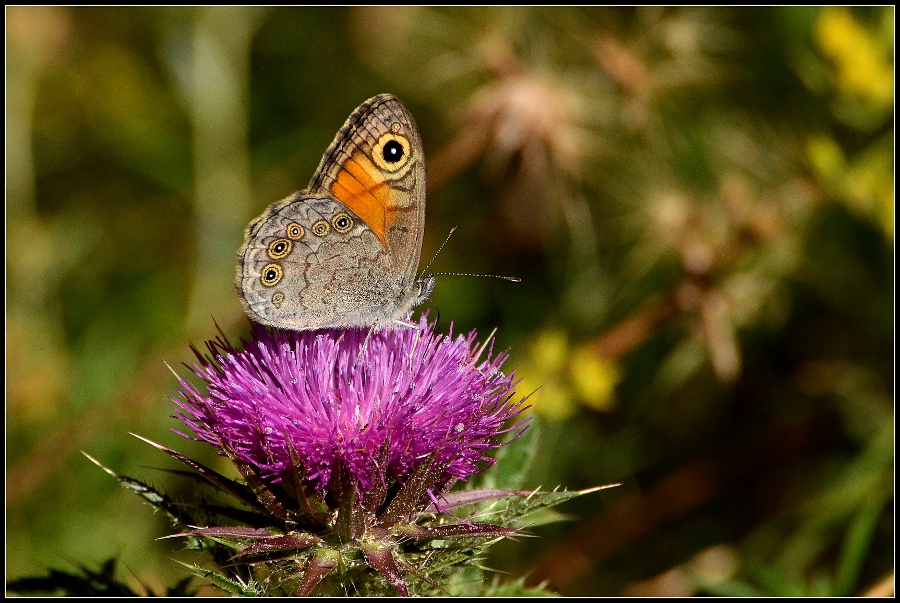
{"points": [[221, 482], [514, 460], [539, 501], [251, 589], [148, 493]]}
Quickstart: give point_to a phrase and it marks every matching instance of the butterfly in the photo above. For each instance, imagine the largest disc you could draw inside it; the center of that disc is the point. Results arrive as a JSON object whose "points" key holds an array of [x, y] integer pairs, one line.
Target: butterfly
{"points": [[344, 251]]}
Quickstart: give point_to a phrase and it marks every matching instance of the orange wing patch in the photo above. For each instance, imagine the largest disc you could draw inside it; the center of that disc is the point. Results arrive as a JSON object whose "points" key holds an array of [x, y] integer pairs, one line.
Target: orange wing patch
{"points": [[361, 186]]}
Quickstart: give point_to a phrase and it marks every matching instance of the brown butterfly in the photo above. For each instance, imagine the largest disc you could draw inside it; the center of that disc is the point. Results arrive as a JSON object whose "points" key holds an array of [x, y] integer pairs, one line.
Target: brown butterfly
{"points": [[344, 252]]}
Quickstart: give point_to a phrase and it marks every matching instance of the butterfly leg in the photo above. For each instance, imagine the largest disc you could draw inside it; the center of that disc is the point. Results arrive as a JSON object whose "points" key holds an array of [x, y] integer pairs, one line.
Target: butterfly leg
{"points": [[365, 343]]}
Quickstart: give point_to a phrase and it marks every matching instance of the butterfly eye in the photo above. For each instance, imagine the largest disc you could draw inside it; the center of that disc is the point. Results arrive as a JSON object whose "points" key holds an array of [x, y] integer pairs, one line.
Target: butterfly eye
{"points": [[279, 248], [342, 222], [271, 275], [391, 152], [321, 228], [294, 231], [277, 299]]}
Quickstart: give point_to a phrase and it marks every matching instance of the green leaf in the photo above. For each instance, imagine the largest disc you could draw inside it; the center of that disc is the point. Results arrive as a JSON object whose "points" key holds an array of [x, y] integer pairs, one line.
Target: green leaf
{"points": [[472, 582], [778, 584], [221, 482], [151, 495], [230, 586], [459, 552], [515, 588], [539, 501], [514, 460], [458, 530], [287, 546], [856, 546], [734, 588], [463, 498]]}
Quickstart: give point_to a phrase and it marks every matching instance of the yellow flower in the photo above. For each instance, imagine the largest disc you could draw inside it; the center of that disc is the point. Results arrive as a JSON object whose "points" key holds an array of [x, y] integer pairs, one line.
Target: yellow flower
{"points": [[594, 378], [565, 378], [862, 65]]}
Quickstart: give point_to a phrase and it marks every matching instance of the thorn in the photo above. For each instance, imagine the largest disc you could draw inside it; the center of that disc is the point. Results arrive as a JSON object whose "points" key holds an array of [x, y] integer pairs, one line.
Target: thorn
{"points": [[99, 464]]}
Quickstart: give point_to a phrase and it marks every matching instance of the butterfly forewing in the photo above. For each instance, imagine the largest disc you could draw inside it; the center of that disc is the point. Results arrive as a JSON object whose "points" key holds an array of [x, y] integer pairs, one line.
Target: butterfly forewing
{"points": [[376, 167], [344, 252]]}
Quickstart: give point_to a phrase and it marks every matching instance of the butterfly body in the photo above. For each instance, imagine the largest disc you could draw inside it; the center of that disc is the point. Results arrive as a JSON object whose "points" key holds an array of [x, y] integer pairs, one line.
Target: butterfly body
{"points": [[344, 251]]}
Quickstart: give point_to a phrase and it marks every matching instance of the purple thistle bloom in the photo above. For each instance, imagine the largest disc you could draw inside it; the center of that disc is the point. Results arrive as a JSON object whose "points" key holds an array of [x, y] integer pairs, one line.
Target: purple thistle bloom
{"points": [[365, 420]]}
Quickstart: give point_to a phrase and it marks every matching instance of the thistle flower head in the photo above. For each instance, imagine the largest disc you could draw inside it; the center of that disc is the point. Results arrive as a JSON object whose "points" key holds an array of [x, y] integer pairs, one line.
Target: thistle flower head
{"points": [[346, 439], [352, 419]]}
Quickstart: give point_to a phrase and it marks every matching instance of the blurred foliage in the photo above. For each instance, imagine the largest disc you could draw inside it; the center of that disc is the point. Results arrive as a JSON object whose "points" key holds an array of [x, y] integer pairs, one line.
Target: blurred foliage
{"points": [[699, 202]]}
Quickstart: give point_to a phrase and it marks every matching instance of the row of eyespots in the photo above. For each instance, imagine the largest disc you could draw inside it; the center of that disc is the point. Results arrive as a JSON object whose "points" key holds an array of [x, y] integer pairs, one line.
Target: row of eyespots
{"points": [[341, 223], [272, 273]]}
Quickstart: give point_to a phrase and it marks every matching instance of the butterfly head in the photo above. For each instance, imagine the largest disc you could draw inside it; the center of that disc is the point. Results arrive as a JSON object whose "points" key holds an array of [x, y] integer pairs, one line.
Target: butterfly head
{"points": [[423, 287]]}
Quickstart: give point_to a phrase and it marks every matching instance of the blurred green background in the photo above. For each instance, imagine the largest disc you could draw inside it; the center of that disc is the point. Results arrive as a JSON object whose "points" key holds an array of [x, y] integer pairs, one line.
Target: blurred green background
{"points": [[699, 202]]}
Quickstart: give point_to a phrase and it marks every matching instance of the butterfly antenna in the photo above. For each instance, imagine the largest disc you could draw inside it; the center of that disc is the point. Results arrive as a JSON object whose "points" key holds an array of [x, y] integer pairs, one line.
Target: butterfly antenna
{"points": [[514, 279], [425, 269]]}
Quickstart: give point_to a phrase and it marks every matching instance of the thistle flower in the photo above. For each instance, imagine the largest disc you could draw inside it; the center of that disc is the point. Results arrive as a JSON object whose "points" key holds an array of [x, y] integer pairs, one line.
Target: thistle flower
{"points": [[348, 444]]}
